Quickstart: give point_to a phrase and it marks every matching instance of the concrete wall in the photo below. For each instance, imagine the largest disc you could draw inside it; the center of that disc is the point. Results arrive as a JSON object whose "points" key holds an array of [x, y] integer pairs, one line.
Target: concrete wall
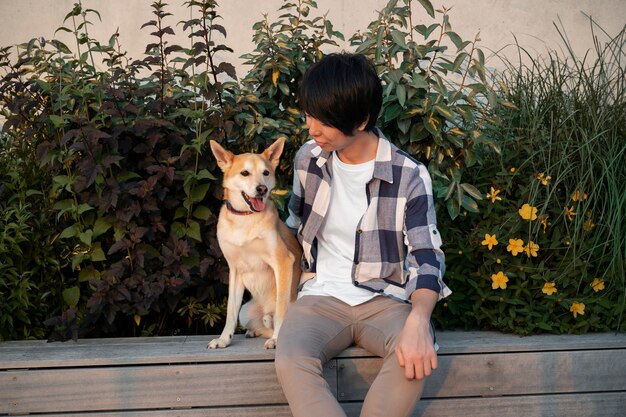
{"points": [[531, 21]]}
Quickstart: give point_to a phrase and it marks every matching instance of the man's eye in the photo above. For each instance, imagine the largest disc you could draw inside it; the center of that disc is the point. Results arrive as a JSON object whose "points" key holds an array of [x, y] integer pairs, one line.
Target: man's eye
{"points": [[266, 173], [245, 173]]}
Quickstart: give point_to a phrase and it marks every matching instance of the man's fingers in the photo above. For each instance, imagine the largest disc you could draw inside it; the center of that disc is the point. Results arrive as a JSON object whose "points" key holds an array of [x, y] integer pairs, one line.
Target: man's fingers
{"points": [[400, 357], [433, 362]]}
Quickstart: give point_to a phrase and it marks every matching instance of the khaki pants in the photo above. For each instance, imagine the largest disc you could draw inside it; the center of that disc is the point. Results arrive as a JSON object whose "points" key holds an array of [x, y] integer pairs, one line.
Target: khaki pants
{"points": [[316, 329]]}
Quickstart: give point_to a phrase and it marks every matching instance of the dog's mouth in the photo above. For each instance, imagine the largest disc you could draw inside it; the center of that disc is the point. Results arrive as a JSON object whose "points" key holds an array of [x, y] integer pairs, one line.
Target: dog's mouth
{"points": [[255, 203]]}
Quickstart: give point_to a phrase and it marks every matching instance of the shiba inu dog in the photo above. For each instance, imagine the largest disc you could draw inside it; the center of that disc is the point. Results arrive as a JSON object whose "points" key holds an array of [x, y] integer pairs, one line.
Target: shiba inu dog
{"points": [[262, 254]]}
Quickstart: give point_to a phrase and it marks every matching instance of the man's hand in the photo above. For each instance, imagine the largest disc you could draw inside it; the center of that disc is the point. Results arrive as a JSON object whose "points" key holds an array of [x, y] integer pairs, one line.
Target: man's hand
{"points": [[415, 346]]}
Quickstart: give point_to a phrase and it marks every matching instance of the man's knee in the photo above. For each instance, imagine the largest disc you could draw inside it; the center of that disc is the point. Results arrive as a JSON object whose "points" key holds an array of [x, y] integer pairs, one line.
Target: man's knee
{"points": [[290, 362]]}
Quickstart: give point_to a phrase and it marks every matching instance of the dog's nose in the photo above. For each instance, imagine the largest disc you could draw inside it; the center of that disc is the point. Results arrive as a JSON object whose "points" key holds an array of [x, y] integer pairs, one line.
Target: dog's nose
{"points": [[261, 189]]}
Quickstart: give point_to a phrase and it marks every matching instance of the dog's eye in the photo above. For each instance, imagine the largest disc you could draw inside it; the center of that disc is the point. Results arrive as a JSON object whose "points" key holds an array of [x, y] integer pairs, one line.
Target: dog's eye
{"points": [[266, 173], [245, 173]]}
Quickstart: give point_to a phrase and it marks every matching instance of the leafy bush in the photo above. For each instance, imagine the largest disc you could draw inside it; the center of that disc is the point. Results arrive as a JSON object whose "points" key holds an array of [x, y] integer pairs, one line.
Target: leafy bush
{"points": [[113, 196], [437, 106], [132, 189], [29, 263]]}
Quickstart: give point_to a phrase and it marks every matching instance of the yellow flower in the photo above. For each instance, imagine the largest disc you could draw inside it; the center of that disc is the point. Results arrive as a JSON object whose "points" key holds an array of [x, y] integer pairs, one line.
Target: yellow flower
{"points": [[588, 225], [549, 288], [528, 212], [499, 280], [544, 223], [545, 179], [493, 194], [531, 249], [512, 169], [570, 213], [515, 246], [597, 285], [577, 308], [490, 241], [579, 196]]}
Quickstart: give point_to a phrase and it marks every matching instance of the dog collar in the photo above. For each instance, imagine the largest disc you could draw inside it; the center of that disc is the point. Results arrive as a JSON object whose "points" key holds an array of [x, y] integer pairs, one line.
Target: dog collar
{"points": [[235, 211]]}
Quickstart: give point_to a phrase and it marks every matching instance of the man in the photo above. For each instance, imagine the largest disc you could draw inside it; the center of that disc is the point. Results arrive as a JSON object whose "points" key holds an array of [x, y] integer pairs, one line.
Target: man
{"points": [[364, 214]]}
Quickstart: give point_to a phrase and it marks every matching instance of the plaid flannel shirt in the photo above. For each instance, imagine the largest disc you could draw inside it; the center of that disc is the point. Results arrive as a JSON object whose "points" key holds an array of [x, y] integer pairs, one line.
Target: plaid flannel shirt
{"points": [[397, 246]]}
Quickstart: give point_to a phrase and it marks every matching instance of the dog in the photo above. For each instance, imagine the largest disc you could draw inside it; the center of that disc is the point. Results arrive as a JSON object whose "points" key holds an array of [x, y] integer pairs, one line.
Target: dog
{"points": [[262, 254]]}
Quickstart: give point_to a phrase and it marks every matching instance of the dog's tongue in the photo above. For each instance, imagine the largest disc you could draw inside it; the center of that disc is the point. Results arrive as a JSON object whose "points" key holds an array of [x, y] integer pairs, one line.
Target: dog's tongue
{"points": [[257, 204]]}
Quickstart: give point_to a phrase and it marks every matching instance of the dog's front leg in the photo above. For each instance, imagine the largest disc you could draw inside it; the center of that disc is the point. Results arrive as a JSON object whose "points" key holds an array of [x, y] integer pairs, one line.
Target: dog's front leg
{"points": [[235, 296], [283, 273]]}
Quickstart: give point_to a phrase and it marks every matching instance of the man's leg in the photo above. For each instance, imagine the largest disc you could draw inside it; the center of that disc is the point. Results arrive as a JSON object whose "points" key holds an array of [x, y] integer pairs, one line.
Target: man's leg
{"points": [[315, 329], [391, 394]]}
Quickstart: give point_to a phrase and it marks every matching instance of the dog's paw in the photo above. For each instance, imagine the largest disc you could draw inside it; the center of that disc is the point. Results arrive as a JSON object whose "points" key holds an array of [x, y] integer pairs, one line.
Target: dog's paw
{"points": [[217, 343], [250, 334], [270, 343]]}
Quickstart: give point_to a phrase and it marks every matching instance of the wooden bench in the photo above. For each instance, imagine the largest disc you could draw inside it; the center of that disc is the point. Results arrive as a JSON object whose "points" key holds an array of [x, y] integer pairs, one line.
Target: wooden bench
{"points": [[480, 374]]}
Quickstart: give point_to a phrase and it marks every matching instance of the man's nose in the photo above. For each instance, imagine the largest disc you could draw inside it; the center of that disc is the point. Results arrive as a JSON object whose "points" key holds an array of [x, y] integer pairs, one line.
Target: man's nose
{"points": [[313, 126]]}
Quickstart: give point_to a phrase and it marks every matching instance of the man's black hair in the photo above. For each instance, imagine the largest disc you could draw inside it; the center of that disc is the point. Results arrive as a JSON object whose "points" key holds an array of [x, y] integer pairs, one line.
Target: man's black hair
{"points": [[342, 90]]}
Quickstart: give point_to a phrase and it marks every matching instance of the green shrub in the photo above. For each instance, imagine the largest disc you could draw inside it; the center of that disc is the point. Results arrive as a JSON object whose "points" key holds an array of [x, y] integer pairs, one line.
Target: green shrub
{"points": [[29, 264], [437, 105], [113, 195], [564, 164]]}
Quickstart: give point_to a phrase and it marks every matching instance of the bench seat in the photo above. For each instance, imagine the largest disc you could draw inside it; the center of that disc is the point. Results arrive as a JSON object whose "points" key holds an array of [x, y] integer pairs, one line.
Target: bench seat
{"points": [[480, 374]]}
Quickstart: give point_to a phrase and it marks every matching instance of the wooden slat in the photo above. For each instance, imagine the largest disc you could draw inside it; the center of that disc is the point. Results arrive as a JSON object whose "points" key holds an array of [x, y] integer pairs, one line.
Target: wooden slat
{"points": [[567, 405], [192, 349], [501, 374], [142, 387]]}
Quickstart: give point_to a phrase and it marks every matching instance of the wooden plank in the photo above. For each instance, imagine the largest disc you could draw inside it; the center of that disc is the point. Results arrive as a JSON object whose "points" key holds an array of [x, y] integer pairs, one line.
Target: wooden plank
{"points": [[501, 374], [129, 351], [567, 405], [192, 349], [458, 342], [142, 387]]}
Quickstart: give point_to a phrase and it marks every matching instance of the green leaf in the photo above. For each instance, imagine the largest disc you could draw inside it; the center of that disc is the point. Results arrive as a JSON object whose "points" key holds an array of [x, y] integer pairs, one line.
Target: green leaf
{"points": [[399, 38], [453, 208], [71, 296], [86, 236], [83, 208], [471, 190], [456, 39], [70, 231], [100, 227], [444, 110], [199, 192], [57, 121], [205, 174], [179, 229], [433, 125], [88, 273], [97, 254], [193, 231], [401, 93], [469, 204], [202, 213], [427, 5]]}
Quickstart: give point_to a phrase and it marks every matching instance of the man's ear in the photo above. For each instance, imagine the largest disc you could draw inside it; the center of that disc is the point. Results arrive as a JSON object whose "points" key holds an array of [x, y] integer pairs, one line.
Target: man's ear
{"points": [[224, 158], [361, 127], [273, 152]]}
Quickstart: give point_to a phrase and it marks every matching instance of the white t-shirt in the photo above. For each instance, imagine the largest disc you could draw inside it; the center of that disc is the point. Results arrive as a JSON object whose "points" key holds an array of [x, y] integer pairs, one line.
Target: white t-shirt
{"points": [[336, 237]]}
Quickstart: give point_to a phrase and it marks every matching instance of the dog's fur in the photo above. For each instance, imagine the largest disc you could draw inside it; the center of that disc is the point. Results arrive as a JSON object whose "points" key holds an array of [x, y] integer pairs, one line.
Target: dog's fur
{"points": [[262, 254]]}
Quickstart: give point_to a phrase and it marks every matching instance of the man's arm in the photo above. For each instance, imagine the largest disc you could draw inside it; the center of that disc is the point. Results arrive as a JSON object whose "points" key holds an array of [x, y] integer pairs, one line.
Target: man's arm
{"points": [[415, 346]]}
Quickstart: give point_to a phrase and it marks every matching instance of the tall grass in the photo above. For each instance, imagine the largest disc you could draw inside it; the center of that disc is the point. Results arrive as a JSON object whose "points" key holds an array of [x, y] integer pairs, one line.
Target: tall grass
{"points": [[570, 124]]}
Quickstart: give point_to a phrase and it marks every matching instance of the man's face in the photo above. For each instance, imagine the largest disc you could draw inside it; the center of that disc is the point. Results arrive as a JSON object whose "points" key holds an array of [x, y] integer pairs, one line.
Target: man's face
{"points": [[327, 137]]}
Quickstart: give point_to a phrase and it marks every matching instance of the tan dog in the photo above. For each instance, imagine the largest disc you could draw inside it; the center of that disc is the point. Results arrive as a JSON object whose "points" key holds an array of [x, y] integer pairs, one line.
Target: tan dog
{"points": [[262, 254]]}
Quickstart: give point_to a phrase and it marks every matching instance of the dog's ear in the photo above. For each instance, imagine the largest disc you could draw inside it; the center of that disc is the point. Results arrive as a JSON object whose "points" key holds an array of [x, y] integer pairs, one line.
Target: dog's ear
{"points": [[224, 157], [273, 152]]}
